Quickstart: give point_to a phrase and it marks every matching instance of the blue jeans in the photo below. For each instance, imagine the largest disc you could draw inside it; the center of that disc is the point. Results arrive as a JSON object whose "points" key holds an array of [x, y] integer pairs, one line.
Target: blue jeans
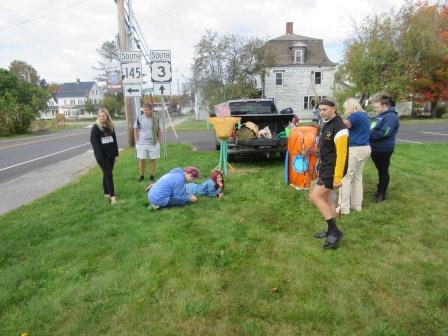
{"points": [[174, 202]]}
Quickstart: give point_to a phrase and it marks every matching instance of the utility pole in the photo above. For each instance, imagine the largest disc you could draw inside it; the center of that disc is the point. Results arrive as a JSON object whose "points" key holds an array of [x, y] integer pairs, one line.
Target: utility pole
{"points": [[128, 102]]}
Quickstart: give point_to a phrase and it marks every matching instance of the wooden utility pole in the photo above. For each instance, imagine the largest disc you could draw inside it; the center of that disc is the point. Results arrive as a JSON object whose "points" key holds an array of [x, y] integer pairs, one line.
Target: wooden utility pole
{"points": [[128, 102]]}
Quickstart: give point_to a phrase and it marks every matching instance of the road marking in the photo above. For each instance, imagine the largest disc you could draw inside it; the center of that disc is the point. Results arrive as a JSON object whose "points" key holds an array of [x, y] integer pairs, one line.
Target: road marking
{"points": [[414, 142], [52, 154], [43, 157], [434, 133], [45, 140]]}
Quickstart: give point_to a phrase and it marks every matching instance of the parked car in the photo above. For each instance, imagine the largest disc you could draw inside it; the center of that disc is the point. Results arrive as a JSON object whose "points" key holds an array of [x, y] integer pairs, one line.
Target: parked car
{"points": [[264, 114]]}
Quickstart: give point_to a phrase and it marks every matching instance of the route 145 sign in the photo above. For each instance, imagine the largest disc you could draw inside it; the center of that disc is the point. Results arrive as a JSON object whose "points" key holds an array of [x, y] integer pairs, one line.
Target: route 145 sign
{"points": [[161, 72], [131, 73]]}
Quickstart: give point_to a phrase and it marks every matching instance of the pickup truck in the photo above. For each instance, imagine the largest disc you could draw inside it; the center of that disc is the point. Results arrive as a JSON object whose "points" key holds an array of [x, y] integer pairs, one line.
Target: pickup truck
{"points": [[261, 112]]}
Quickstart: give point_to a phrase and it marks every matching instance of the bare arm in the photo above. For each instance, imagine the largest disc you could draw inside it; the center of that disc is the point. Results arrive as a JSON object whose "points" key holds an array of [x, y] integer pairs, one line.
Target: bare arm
{"points": [[136, 134], [347, 123]]}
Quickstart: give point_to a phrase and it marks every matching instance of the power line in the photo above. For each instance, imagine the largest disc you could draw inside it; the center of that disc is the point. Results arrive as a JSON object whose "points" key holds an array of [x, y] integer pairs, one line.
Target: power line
{"points": [[32, 19]]}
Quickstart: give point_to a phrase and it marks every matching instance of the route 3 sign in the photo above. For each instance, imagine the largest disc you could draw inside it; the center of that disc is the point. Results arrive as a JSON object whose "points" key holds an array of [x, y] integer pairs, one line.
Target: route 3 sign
{"points": [[131, 73], [161, 72]]}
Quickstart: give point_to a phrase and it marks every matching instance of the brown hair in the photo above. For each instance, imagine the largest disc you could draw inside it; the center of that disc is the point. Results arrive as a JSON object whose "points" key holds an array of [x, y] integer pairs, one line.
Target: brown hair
{"points": [[384, 98], [214, 177], [148, 106]]}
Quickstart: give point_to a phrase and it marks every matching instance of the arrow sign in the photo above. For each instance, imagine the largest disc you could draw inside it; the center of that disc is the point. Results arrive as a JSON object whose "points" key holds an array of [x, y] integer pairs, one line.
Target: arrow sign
{"points": [[132, 90], [162, 89]]}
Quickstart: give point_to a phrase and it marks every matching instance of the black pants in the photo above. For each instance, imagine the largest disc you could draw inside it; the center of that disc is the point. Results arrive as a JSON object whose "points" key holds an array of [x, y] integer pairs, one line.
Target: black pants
{"points": [[108, 179], [382, 162]]}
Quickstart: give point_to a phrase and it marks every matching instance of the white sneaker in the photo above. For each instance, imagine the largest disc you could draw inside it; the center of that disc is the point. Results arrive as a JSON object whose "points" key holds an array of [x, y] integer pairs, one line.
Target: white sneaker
{"points": [[338, 209]]}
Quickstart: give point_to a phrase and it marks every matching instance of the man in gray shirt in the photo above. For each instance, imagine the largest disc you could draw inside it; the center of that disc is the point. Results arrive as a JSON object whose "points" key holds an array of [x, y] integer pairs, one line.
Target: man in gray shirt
{"points": [[147, 140]]}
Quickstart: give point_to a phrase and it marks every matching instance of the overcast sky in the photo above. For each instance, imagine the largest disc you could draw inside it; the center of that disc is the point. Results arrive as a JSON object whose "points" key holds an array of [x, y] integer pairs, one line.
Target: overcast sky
{"points": [[60, 38]]}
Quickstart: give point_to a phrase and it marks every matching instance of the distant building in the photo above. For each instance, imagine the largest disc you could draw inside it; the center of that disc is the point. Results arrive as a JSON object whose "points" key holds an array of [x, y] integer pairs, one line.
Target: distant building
{"points": [[301, 72], [72, 97], [52, 108]]}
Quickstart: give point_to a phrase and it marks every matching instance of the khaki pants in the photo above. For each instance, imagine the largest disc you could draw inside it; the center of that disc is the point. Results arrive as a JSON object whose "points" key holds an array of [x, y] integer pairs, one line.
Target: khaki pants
{"points": [[351, 192]]}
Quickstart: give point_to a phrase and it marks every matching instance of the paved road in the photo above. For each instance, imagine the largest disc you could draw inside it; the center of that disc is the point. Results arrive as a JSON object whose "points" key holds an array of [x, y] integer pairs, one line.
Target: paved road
{"points": [[423, 133], [24, 155]]}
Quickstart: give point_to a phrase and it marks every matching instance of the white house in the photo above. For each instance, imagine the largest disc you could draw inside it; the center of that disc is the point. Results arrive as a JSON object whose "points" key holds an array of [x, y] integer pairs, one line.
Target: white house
{"points": [[301, 72], [52, 108], [72, 97]]}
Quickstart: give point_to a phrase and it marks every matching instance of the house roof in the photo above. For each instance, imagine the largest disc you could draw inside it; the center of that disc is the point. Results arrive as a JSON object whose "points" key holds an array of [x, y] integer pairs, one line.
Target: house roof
{"points": [[75, 89], [281, 49], [54, 96]]}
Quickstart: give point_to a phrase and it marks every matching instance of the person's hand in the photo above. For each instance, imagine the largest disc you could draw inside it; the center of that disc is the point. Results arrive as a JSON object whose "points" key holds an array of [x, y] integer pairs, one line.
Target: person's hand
{"points": [[337, 185], [193, 199], [220, 195], [220, 185]]}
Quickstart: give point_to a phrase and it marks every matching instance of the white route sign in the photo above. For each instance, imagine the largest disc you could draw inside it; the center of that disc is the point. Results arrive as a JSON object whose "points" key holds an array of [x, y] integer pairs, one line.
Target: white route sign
{"points": [[130, 56], [160, 55], [131, 73], [162, 89], [132, 90], [161, 72]]}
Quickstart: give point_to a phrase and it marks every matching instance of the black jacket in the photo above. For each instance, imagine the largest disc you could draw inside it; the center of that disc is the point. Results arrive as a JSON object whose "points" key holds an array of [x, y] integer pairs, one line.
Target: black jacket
{"points": [[104, 143]]}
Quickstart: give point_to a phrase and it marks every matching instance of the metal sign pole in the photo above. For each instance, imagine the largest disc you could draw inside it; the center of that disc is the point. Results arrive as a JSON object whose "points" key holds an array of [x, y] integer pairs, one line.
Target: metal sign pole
{"points": [[165, 151]]}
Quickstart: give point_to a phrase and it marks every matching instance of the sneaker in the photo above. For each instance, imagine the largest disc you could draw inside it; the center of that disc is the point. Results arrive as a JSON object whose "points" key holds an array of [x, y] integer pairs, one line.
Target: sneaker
{"points": [[149, 187], [379, 198], [151, 177], [113, 200], [153, 207], [141, 178]]}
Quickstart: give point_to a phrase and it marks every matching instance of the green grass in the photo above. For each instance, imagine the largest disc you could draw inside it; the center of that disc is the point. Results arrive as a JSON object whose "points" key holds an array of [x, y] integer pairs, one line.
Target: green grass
{"points": [[192, 125], [423, 121], [70, 264]]}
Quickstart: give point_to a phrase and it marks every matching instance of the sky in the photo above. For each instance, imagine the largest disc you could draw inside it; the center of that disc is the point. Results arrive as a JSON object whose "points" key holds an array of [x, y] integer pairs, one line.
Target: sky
{"points": [[59, 38]]}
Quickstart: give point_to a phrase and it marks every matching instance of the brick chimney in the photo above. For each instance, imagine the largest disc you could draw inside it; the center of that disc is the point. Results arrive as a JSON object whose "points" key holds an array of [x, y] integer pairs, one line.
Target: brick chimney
{"points": [[289, 28]]}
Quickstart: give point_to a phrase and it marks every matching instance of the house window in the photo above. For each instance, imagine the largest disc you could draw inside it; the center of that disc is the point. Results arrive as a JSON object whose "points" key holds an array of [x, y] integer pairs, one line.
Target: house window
{"points": [[279, 78], [317, 77], [310, 102], [80, 101], [72, 102], [298, 56]]}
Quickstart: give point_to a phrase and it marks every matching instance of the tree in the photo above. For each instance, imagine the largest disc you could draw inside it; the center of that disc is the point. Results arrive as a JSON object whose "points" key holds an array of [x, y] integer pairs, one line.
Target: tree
{"points": [[108, 53], [43, 84], [404, 52], [224, 66], [426, 44], [24, 71], [89, 107], [113, 104], [20, 103], [53, 87]]}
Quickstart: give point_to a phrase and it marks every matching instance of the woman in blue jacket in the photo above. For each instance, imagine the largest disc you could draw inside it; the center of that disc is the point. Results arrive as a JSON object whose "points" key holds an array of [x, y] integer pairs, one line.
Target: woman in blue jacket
{"points": [[212, 187], [382, 141], [170, 189]]}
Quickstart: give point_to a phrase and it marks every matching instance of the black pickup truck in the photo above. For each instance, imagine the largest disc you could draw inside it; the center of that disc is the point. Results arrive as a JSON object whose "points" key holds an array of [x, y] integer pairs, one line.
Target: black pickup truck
{"points": [[261, 112]]}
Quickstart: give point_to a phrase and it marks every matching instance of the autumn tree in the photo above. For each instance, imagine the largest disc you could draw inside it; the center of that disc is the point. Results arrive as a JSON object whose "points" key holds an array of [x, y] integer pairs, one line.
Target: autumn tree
{"points": [[403, 52]]}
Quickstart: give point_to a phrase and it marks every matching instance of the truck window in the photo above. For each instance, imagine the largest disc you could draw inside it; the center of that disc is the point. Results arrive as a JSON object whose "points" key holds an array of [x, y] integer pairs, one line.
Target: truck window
{"points": [[266, 107], [237, 108]]}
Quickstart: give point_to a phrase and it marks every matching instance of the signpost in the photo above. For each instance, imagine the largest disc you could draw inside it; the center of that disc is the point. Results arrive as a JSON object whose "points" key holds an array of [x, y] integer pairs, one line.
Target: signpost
{"points": [[161, 76], [131, 73]]}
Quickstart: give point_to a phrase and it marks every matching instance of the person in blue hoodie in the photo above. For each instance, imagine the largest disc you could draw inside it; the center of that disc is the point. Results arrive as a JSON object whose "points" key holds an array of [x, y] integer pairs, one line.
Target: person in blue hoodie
{"points": [[170, 189], [383, 130], [212, 187]]}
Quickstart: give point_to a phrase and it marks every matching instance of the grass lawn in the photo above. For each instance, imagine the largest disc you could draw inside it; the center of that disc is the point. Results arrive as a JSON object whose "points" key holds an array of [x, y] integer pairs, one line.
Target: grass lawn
{"points": [[191, 125], [70, 264], [424, 121]]}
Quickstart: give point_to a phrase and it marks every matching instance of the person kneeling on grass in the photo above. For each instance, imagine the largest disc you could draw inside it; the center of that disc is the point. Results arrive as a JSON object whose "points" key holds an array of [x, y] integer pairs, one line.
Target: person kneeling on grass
{"points": [[212, 187], [170, 189]]}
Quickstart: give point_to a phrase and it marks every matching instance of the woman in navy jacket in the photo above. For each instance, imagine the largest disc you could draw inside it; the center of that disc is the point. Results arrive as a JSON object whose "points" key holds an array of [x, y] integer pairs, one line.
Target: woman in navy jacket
{"points": [[105, 148], [382, 141]]}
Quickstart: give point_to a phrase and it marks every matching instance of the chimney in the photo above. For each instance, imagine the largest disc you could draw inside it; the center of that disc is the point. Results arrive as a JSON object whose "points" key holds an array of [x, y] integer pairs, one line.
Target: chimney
{"points": [[289, 29], [78, 81]]}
